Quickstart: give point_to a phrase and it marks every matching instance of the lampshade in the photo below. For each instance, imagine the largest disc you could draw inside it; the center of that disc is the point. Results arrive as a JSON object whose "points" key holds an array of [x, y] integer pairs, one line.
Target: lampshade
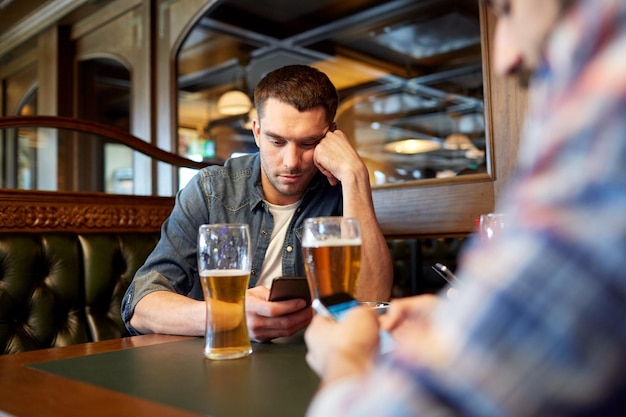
{"points": [[234, 102], [412, 146], [458, 141]]}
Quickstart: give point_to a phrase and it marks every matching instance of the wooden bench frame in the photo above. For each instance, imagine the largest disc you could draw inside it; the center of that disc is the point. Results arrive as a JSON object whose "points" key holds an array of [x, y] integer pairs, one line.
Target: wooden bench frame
{"points": [[38, 211]]}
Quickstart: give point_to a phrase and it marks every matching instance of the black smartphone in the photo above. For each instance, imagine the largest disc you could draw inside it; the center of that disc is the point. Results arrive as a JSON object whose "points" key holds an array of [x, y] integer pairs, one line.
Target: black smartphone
{"points": [[446, 274], [288, 288]]}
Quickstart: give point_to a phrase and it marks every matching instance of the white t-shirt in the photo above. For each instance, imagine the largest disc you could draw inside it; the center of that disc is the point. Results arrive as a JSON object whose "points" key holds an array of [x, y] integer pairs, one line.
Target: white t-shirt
{"points": [[272, 265]]}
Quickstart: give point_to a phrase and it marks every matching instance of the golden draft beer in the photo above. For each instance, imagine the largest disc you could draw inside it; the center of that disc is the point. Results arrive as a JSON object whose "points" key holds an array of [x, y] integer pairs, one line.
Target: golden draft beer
{"points": [[224, 262], [332, 255], [226, 328]]}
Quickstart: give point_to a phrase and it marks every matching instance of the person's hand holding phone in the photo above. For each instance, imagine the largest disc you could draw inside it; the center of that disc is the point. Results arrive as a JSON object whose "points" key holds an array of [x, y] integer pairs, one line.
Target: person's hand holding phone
{"points": [[289, 288], [408, 311], [340, 349], [409, 321], [336, 306], [268, 320]]}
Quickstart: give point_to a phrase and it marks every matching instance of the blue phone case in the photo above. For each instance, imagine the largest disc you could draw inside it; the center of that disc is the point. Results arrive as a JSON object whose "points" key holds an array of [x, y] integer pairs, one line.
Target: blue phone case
{"points": [[338, 312]]}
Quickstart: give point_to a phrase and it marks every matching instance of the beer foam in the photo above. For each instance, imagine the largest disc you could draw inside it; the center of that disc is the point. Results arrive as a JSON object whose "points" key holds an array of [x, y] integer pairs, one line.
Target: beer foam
{"points": [[224, 272], [311, 243]]}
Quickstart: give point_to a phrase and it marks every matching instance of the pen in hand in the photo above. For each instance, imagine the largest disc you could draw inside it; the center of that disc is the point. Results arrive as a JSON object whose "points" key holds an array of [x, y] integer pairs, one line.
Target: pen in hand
{"points": [[446, 274]]}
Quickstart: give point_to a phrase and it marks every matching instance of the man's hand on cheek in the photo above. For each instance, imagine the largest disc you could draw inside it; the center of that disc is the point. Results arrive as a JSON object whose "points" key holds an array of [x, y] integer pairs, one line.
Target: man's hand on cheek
{"points": [[333, 155]]}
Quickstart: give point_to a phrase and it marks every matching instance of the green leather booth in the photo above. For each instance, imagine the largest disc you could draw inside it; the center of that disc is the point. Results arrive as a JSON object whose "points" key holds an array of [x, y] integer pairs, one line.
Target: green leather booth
{"points": [[66, 257], [59, 289]]}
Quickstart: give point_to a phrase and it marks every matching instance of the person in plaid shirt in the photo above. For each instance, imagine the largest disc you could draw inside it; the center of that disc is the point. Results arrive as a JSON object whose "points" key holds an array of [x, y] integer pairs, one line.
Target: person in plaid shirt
{"points": [[537, 326]]}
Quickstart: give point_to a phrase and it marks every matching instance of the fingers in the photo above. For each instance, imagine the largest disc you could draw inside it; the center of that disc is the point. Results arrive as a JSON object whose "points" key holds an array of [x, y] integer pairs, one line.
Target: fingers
{"points": [[351, 343], [317, 338], [263, 329], [335, 156], [408, 309], [258, 292], [268, 320], [332, 180], [256, 302]]}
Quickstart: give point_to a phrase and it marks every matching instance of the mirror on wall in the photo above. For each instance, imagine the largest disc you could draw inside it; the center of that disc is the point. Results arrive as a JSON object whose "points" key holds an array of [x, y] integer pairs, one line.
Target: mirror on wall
{"points": [[104, 97], [54, 160], [26, 146], [20, 151], [409, 75]]}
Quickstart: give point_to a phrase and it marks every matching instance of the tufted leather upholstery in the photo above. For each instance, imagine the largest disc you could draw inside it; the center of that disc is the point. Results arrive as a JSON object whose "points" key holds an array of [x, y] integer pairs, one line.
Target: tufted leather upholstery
{"points": [[58, 289], [66, 257]]}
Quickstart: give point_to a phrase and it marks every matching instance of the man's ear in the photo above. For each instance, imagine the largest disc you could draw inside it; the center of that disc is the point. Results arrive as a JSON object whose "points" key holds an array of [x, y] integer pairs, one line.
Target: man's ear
{"points": [[332, 127], [256, 130]]}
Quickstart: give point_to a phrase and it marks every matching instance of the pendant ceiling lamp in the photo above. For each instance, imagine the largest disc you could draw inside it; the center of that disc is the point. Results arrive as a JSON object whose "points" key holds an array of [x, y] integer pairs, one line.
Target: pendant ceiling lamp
{"points": [[233, 103], [412, 146], [236, 101], [458, 141]]}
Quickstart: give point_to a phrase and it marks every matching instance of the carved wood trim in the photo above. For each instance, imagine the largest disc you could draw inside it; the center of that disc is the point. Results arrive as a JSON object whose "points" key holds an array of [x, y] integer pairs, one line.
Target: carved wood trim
{"points": [[41, 211]]}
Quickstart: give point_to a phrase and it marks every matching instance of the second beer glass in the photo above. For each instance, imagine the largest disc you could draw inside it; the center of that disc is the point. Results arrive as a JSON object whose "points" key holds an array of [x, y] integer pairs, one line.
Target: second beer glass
{"points": [[332, 254], [224, 262]]}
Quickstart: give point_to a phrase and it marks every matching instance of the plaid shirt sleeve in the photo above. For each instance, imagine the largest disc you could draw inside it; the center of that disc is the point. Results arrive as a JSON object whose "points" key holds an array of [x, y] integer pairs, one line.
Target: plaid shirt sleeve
{"points": [[538, 328]]}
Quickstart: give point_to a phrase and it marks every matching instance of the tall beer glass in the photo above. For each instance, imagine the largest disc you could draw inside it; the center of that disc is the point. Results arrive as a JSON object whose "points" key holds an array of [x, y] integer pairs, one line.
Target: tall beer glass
{"points": [[224, 261], [332, 255]]}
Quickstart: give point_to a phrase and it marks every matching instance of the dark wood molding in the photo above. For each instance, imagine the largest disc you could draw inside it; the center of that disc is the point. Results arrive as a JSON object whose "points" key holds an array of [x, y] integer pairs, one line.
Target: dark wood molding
{"points": [[45, 211]]}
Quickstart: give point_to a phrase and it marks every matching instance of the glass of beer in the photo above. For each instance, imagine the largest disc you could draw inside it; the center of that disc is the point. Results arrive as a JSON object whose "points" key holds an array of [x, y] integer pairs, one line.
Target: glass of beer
{"points": [[224, 261], [332, 255], [491, 225]]}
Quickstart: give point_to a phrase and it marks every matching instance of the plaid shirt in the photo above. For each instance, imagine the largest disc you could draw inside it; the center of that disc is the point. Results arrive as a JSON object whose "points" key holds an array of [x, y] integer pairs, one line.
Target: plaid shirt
{"points": [[539, 326]]}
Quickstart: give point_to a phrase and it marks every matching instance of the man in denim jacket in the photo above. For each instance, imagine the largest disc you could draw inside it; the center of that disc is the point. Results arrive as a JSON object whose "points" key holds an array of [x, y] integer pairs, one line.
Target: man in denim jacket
{"points": [[305, 167]]}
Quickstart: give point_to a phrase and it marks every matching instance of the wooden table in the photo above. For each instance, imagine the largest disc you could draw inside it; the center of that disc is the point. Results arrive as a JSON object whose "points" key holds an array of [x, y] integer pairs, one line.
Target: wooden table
{"points": [[156, 375]]}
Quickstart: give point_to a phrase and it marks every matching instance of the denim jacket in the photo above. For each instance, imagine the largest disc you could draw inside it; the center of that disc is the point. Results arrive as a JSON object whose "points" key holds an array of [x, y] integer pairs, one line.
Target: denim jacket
{"points": [[224, 194]]}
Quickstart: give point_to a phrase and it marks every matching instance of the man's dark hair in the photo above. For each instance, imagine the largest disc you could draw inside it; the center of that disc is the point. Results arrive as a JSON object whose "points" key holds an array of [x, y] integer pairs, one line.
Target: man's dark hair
{"points": [[300, 86]]}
